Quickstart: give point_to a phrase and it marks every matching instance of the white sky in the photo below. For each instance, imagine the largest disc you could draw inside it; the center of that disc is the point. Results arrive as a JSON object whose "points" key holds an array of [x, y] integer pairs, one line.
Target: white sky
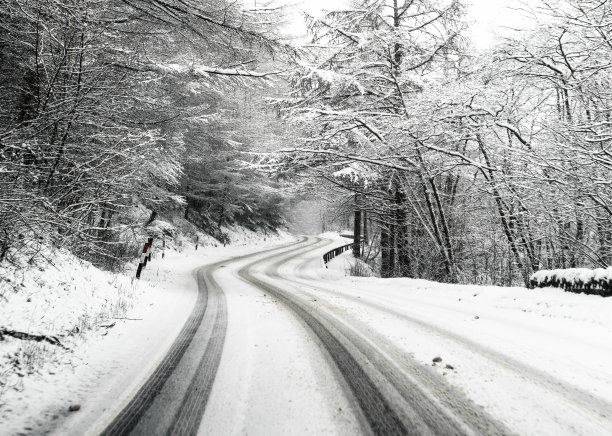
{"points": [[488, 17]]}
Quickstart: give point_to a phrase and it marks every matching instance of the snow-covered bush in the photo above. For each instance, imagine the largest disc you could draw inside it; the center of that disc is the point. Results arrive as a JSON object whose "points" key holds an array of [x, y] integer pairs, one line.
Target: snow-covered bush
{"points": [[359, 268], [579, 280]]}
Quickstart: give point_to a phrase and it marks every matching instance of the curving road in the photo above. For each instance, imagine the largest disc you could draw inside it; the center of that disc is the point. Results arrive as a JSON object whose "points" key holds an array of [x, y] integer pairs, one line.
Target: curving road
{"points": [[379, 383], [210, 382], [393, 392], [172, 400]]}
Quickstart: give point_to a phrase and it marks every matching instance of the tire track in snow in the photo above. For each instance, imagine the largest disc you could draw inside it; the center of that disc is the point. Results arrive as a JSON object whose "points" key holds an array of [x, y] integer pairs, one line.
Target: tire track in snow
{"points": [[209, 316], [586, 400], [187, 418], [381, 417], [390, 401], [125, 422], [189, 415]]}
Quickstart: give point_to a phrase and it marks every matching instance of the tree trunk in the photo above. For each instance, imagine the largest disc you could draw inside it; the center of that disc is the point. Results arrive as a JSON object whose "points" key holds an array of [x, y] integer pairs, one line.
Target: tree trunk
{"points": [[404, 267], [393, 249], [357, 234], [501, 209], [386, 252], [366, 230]]}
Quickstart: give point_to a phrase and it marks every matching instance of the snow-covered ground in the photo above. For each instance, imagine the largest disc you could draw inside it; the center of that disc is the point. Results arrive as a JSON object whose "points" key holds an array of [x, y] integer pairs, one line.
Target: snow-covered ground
{"points": [[115, 330], [537, 360]]}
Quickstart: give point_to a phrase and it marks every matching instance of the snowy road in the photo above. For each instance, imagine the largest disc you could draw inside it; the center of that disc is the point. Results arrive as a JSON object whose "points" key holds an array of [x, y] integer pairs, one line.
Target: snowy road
{"points": [[173, 398], [388, 393], [273, 346]]}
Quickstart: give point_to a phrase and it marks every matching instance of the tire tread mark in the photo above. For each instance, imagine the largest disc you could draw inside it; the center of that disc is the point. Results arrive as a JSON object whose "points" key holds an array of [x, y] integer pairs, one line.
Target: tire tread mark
{"points": [[127, 419], [191, 412], [587, 400], [436, 420], [380, 415]]}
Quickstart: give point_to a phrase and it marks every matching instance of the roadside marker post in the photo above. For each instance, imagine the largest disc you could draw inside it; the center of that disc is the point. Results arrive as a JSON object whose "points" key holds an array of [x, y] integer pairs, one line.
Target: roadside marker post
{"points": [[150, 242], [145, 256], [141, 263]]}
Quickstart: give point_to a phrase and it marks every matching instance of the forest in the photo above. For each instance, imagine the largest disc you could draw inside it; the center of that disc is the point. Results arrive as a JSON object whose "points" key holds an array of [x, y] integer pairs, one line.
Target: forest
{"points": [[458, 164], [108, 105]]}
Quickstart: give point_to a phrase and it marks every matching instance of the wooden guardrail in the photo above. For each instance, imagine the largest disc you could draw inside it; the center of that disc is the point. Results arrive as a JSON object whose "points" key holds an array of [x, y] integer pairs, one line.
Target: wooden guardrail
{"points": [[339, 250]]}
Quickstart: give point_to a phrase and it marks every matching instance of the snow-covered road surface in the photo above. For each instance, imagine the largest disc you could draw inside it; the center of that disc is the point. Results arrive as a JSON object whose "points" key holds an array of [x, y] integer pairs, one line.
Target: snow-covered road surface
{"points": [[538, 361], [390, 393], [172, 399], [287, 347]]}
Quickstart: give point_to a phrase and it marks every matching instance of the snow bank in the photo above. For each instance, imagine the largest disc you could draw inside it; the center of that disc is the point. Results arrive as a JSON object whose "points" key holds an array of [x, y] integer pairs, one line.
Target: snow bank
{"points": [[346, 265], [70, 300], [579, 280], [59, 297]]}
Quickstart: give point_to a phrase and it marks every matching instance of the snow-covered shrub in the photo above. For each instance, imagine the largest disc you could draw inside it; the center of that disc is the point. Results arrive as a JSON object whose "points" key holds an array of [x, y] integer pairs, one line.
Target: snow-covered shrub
{"points": [[359, 268], [579, 280]]}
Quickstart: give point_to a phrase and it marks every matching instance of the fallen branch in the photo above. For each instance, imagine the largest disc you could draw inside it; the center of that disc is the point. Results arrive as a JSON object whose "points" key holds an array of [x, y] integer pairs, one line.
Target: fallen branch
{"points": [[129, 319], [29, 337]]}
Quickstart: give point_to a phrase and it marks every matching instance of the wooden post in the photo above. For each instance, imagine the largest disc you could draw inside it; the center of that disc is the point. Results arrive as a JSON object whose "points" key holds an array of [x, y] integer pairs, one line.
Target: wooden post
{"points": [[197, 239], [163, 248], [145, 254], [143, 260], [150, 248]]}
